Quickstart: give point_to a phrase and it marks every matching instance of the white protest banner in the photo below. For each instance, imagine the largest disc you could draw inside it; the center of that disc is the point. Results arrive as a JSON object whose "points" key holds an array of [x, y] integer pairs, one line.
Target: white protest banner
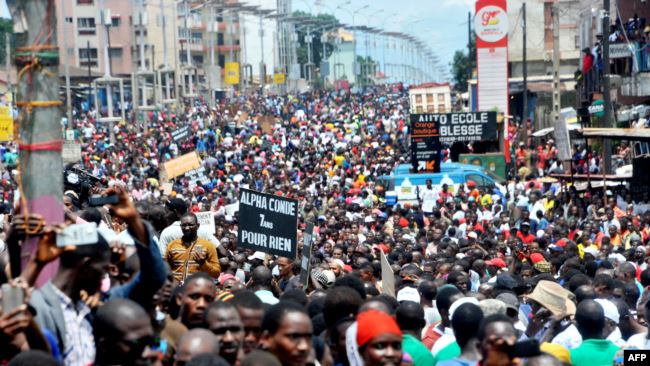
{"points": [[206, 219], [387, 276], [232, 209]]}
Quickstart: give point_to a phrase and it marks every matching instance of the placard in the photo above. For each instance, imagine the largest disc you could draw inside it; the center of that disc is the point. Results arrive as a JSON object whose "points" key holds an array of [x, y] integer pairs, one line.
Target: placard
{"points": [[266, 124], [181, 165], [268, 223], [197, 177], [181, 134], [387, 276], [307, 240], [206, 220], [71, 152]]}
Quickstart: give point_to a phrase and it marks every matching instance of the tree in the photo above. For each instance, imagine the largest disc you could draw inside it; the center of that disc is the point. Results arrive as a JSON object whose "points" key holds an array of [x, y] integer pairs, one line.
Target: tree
{"points": [[316, 31], [462, 66], [6, 26]]}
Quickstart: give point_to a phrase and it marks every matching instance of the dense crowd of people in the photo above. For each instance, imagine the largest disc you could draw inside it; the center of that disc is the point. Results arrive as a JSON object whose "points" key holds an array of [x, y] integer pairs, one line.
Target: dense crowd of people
{"points": [[540, 274]]}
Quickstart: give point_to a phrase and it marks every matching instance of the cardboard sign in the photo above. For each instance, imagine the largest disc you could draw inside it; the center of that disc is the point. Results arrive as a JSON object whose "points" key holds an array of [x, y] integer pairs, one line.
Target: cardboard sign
{"points": [[387, 276], [71, 152], [181, 165], [6, 124], [268, 223], [266, 124], [307, 240], [206, 219], [167, 188], [181, 134]]}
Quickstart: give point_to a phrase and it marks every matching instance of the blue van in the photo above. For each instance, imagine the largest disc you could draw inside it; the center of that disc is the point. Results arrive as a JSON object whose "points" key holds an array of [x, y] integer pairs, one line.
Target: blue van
{"points": [[402, 185]]}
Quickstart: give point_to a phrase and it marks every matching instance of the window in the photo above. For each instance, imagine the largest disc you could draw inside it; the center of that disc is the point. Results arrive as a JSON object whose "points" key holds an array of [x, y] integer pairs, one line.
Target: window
{"points": [[86, 26], [68, 20], [116, 21], [441, 98], [430, 108], [88, 56], [85, 2], [441, 108], [429, 98], [115, 52], [479, 180], [418, 109], [222, 61], [418, 99], [219, 39]]}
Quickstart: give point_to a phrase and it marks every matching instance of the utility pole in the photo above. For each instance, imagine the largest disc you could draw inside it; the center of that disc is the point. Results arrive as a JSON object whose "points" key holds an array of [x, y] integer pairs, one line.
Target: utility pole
{"points": [[607, 97], [469, 48], [107, 71], [90, 76], [556, 61], [8, 60], [524, 111], [39, 137], [66, 67], [262, 65]]}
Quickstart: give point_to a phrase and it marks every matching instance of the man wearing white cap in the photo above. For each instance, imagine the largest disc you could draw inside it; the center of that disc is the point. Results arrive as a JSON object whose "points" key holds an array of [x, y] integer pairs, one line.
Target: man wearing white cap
{"points": [[446, 347], [612, 317]]}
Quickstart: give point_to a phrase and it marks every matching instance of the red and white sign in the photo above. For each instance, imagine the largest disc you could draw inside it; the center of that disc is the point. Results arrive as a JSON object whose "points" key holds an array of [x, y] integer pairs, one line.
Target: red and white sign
{"points": [[491, 26], [491, 23]]}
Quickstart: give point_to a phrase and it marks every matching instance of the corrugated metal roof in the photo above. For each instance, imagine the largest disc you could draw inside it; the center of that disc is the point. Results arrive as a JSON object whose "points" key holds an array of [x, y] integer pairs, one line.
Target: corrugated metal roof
{"points": [[622, 133]]}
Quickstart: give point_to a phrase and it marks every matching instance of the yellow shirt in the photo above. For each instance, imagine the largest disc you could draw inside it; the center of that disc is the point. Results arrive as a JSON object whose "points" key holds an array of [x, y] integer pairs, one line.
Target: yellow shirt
{"points": [[181, 259]]}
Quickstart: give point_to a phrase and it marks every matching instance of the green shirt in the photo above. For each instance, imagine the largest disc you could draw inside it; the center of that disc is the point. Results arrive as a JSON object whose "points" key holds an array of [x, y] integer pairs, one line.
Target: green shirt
{"points": [[419, 353], [594, 352], [450, 351]]}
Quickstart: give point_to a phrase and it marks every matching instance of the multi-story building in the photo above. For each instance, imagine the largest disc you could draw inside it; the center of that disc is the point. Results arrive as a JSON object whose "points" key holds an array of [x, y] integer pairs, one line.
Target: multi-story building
{"points": [[81, 28], [186, 24], [539, 54], [430, 98]]}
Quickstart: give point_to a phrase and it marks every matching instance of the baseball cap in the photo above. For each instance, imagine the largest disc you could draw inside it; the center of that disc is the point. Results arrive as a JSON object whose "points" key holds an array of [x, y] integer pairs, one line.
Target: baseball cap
{"points": [[257, 255], [611, 311], [463, 300], [496, 262], [511, 301], [408, 294]]}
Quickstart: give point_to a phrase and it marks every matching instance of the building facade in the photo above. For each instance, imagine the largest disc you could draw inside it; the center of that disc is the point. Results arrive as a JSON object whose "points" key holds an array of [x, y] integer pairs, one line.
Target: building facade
{"points": [[430, 98]]}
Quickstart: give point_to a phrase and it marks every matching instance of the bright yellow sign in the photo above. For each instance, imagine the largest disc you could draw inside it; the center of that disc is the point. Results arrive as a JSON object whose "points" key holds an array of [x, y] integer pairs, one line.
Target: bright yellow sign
{"points": [[278, 78], [6, 124], [232, 73]]}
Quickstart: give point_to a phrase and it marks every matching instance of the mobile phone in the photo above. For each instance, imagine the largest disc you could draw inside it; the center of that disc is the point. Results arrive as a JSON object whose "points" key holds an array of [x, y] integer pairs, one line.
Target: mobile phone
{"points": [[12, 297], [99, 200], [78, 234]]}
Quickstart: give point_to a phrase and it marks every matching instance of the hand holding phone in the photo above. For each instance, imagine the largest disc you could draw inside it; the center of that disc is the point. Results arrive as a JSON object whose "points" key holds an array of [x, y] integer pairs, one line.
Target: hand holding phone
{"points": [[99, 200], [78, 234], [12, 298]]}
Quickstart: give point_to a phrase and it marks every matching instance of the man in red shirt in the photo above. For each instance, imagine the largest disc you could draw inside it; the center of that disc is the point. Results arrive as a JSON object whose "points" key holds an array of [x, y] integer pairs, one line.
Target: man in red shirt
{"points": [[524, 234]]}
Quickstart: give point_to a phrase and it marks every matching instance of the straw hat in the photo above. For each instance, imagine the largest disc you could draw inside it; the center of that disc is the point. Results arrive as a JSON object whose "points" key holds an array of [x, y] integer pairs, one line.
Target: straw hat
{"points": [[553, 297]]}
